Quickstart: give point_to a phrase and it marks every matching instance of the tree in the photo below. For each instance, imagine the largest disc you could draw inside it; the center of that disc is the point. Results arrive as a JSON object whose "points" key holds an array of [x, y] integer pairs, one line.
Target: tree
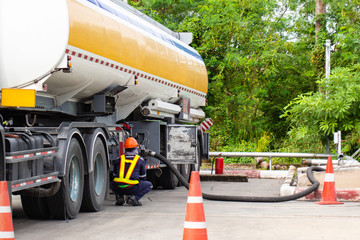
{"points": [[320, 11], [168, 12], [318, 115], [253, 70], [315, 115], [261, 54]]}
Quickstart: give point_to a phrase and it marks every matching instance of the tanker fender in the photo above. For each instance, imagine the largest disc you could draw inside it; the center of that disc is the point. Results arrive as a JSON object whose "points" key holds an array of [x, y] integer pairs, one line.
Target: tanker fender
{"points": [[64, 144]]}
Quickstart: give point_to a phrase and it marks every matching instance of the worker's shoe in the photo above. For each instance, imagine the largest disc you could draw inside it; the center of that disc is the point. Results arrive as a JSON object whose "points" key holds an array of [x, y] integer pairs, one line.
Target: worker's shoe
{"points": [[119, 200], [133, 201]]}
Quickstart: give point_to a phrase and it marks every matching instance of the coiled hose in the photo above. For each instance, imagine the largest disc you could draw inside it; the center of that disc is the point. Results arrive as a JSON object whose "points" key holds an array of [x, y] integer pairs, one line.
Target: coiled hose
{"points": [[315, 185]]}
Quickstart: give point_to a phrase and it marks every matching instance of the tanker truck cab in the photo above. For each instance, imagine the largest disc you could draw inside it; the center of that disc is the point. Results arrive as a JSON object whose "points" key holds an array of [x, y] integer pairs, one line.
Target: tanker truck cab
{"points": [[78, 77]]}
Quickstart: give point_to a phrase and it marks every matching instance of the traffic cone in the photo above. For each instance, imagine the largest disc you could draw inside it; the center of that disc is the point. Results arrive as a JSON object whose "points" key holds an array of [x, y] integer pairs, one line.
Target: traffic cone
{"points": [[6, 225], [329, 193], [195, 225]]}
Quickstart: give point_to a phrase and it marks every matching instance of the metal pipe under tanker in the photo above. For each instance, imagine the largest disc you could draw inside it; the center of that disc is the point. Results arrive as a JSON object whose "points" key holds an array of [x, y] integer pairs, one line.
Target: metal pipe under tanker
{"points": [[113, 52]]}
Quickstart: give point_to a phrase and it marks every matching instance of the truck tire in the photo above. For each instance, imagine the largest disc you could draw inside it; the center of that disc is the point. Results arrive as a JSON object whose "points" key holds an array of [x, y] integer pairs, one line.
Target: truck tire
{"points": [[96, 181], [168, 180], [151, 176], [185, 171], [66, 203], [196, 166], [35, 207]]}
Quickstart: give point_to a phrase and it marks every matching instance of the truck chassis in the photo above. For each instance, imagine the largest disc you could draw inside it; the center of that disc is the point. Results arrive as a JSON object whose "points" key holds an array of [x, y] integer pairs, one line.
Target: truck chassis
{"points": [[59, 171]]}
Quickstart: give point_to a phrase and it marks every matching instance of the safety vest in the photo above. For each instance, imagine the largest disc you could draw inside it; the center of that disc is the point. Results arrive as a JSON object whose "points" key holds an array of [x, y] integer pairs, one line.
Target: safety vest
{"points": [[127, 182]]}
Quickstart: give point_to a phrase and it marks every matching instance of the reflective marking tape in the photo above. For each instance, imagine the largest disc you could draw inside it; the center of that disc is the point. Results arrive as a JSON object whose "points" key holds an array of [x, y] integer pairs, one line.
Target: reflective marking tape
{"points": [[91, 59], [7, 235], [44, 153], [195, 200], [33, 181], [29, 155], [195, 225], [152, 166], [329, 177], [206, 124], [5, 209]]}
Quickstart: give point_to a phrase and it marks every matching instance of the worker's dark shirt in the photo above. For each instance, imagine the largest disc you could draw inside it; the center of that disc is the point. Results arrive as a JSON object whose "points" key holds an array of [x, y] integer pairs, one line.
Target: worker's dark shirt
{"points": [[139, 172]]}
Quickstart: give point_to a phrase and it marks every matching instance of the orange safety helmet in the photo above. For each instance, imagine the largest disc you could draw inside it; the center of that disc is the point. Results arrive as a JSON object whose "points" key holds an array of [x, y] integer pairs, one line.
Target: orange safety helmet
{"points": [[131, 143]]}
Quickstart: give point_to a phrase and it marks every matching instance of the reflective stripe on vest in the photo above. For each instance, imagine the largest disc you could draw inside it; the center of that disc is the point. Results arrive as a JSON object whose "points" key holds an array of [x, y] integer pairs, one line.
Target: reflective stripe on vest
{"points": [[126, 179]]}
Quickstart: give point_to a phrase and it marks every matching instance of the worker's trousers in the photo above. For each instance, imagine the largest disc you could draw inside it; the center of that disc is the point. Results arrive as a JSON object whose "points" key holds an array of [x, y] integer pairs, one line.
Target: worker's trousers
{"points": [[138, 190]]}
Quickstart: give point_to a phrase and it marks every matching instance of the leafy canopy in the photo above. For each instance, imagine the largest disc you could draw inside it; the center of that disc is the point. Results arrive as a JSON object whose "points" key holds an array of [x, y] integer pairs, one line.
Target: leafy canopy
{"points": [[264, 61]]}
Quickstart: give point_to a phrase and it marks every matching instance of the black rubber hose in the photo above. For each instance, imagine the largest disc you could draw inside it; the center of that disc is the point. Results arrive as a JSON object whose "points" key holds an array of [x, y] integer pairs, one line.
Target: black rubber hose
{"points": [[315, 185]]}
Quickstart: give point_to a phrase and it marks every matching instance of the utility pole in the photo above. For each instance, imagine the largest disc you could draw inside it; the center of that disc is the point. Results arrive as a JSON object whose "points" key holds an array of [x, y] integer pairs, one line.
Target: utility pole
{"points": [[327, 75], [327, 57], [337, 140]]}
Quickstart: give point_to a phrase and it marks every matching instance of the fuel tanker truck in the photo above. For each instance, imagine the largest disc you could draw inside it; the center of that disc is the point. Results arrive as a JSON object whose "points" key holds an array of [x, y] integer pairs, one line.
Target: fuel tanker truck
{"points": [[78, 77]]}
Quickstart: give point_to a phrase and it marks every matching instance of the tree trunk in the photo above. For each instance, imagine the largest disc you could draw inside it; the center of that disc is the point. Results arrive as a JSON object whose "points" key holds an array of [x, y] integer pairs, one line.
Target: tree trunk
{"points": [[319, 10]]}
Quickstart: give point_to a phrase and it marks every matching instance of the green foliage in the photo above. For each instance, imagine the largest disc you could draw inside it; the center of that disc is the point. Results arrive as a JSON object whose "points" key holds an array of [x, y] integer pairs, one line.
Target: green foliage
{"points": [[168, 12], [264, 61], [253, 70], [241, 146], [336, 107], [264, 142]]}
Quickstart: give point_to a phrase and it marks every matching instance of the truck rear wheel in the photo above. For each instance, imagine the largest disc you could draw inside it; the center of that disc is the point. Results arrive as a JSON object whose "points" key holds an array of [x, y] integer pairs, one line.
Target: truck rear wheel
{"points": [[185, 171], [168, 179], [153, 178], [66, 202], [197, 165], [35, 207], [96, 181]]}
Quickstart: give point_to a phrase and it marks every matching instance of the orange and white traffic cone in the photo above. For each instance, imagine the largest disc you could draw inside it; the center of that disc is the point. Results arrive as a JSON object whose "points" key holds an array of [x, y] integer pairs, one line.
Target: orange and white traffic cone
{"points": [[329, 192], [195, 225], [6, 225]]}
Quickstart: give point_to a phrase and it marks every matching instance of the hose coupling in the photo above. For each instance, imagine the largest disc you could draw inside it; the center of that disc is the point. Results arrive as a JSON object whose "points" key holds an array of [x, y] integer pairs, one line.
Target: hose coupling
{"points": [[149, 152]]}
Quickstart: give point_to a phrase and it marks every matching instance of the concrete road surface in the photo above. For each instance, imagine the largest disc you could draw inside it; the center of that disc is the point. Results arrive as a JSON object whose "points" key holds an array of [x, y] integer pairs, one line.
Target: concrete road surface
{"points": [[163, 212]]}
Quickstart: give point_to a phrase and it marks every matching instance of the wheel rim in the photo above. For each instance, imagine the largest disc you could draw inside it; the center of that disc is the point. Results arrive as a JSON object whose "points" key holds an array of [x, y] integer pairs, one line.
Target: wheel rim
{"points": [[74, 178], [99, 174]]}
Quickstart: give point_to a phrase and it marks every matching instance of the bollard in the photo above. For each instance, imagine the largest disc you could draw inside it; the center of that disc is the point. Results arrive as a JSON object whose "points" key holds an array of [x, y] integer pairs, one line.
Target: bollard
{"points": [[219, 165]]}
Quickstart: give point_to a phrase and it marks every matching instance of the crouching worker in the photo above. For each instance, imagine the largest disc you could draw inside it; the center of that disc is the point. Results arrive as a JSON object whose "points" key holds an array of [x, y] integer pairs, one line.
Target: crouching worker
{"points": [[130, 178]]}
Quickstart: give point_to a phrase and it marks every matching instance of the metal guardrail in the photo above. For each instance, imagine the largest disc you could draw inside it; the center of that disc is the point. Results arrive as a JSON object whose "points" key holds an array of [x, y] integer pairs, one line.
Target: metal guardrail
{"points": [[269, 155]]}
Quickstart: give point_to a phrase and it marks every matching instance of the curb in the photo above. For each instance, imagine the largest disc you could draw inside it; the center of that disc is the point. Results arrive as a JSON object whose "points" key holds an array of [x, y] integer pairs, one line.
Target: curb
{"points": [[273, 174], [223, 178], [343, 194]]}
